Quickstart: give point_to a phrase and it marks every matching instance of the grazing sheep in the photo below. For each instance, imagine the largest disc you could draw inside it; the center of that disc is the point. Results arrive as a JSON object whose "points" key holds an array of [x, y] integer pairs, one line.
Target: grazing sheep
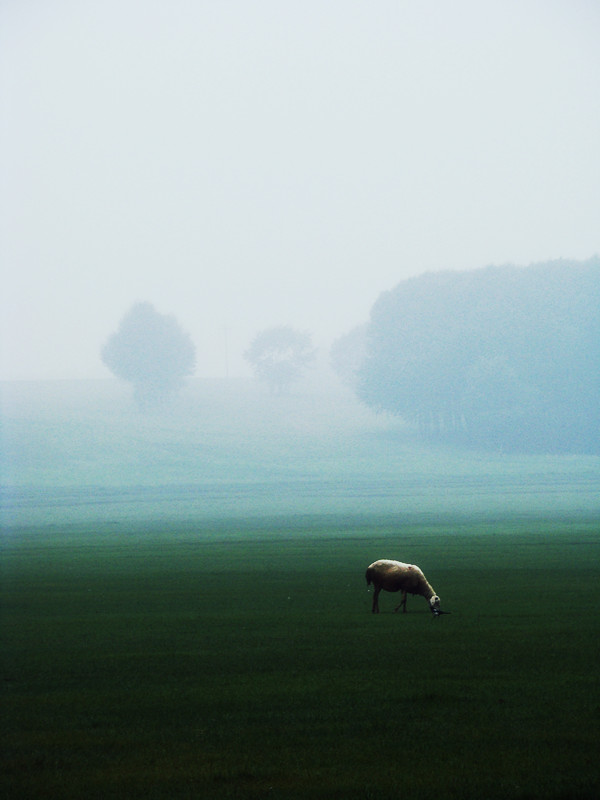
{"points": [[394, 576]]}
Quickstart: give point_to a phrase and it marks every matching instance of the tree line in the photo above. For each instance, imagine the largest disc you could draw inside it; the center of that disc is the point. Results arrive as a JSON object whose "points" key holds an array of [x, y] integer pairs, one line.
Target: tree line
{"points": [[501, 357]]}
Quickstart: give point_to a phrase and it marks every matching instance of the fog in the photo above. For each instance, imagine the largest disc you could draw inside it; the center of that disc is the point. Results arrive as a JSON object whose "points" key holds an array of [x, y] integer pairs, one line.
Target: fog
{"points": [[241, 165], [80, 451]]}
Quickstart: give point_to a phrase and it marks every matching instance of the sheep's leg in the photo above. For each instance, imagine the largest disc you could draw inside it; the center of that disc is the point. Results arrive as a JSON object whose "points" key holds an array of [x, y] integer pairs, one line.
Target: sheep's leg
{"points": [[402, 603], [375, 609]]}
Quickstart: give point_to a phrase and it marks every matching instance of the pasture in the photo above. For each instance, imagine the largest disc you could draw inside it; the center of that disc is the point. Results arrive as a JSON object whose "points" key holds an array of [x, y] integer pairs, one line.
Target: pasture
{"points": [[80, 451], [229, 659], [184, 612]]}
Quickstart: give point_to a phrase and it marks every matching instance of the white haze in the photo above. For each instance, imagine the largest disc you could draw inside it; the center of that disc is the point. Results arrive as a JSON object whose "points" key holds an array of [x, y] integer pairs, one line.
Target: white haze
{"points": [[243, 164]]}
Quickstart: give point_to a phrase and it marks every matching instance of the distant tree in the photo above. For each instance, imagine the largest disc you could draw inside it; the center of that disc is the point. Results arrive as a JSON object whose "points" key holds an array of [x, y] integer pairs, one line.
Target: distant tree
{"points": [[347, 354], [152, 352], [497, 405], [279, 355], [503, 356]]}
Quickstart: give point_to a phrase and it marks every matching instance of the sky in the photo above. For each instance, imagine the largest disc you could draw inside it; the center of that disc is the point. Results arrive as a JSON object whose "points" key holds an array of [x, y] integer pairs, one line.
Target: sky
{"points": [[247, 164]]}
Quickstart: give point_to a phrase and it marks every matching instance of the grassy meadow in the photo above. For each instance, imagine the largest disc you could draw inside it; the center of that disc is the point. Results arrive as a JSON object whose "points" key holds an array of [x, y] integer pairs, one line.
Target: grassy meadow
{"points": [[246, 663], [81, 450], [184, 612]]}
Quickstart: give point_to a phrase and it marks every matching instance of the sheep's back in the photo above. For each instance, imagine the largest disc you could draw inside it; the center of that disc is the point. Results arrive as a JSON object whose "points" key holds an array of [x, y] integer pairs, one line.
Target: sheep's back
{"points": [[394, 576]]}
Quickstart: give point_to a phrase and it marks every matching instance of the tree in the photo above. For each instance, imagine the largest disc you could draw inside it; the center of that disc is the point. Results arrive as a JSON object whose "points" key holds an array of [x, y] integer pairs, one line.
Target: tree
{"points": [[152, 352], [498, 406], [504, 357], [279, 355]]}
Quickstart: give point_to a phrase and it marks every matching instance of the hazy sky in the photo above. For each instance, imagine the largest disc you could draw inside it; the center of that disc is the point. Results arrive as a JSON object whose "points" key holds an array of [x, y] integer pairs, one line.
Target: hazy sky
{"points": [[244, 164]]}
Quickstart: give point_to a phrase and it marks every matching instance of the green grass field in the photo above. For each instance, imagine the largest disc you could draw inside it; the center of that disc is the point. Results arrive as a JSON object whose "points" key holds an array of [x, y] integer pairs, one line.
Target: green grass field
{"points": [[230, 660], [185, 614], [80, 452]]}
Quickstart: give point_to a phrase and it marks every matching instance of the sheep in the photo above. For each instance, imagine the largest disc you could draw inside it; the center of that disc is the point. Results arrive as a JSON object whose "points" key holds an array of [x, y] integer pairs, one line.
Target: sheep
{"points": [[394, 576]]}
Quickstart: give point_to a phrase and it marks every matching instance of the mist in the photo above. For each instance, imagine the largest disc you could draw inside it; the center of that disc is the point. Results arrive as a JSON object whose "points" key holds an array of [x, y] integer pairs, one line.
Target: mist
{"points": [[239, 166], [180, 178], [243, 165], [80, 452]]}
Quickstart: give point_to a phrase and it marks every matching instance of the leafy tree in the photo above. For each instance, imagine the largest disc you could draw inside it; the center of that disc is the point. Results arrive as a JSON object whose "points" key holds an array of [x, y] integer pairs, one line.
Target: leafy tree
{"points": [[498, 406], [152, 352], [503, 356], [279, 355]]}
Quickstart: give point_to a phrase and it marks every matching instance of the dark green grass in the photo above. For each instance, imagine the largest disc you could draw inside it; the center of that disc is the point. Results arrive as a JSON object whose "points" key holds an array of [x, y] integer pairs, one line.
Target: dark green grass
{"points": [[233, 662]]}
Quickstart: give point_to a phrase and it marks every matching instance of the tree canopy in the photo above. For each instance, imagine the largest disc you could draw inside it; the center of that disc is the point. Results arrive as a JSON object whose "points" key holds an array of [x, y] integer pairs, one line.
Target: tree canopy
{"points": [[279, 355], [152, 352], [502, 356]]}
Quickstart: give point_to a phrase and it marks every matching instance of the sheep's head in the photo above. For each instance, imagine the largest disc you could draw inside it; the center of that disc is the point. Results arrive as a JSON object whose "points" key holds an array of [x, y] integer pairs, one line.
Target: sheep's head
{"points": [[434, 605]]}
